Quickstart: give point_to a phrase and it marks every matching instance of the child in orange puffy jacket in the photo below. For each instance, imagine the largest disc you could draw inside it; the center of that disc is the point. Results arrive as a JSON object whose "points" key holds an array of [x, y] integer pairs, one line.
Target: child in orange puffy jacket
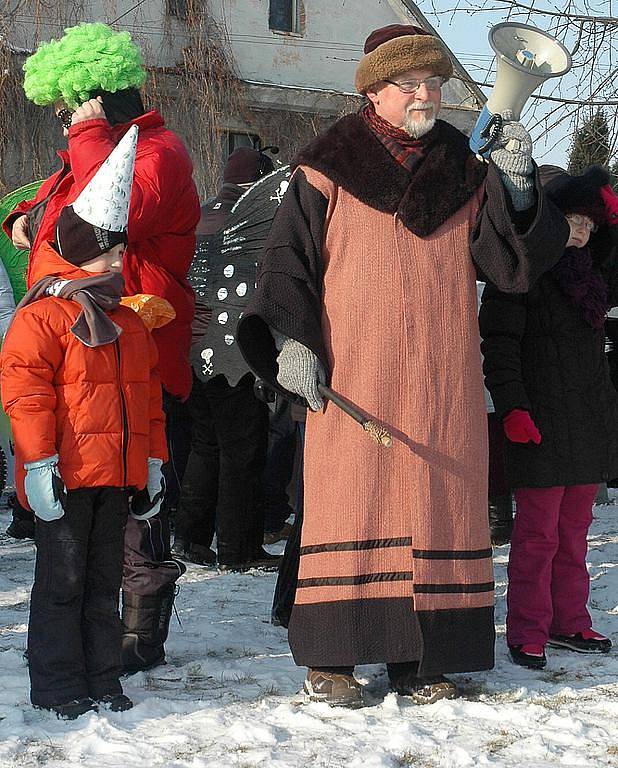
{"points": [[80, 385]]}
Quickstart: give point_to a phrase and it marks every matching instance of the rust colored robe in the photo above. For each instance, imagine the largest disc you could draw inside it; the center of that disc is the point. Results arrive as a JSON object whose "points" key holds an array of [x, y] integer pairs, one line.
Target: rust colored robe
{"points": [[395, 555]]}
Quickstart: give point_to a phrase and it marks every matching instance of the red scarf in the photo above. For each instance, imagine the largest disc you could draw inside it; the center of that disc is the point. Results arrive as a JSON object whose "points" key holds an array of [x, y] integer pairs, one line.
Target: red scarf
{"points": [[406, 150]]}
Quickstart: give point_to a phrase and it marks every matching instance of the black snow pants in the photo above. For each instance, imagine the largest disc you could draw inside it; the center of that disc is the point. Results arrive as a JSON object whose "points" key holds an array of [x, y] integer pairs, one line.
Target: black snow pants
{"points": [[74, 631], [279, 465], [222, 483]]}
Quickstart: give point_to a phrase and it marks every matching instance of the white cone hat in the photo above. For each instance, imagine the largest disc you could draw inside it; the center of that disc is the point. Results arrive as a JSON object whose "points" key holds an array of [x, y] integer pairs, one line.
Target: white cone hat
{"points": [[104, 202]]}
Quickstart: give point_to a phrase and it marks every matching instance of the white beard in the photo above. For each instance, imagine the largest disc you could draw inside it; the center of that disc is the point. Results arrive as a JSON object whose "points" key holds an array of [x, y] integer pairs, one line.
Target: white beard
{"points": [[419, 126]]}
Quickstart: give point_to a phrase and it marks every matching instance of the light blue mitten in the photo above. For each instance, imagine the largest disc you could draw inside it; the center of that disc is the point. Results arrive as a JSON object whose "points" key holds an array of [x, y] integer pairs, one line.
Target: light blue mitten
{"points": [[45, 489]]}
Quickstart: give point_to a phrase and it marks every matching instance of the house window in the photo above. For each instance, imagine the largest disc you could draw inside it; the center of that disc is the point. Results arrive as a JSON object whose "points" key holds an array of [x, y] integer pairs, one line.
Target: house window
{"points": [[177, 8], [236, 140], [284, 16]]}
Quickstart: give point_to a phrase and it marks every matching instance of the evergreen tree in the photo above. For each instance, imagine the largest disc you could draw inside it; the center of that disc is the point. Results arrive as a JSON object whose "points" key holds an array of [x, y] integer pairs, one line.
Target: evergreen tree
{"points": [[591, 144]]}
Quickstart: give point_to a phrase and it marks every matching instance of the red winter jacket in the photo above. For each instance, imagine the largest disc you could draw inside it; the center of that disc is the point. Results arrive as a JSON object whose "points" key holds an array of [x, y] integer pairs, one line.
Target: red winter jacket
{"points": [[164, 213]]}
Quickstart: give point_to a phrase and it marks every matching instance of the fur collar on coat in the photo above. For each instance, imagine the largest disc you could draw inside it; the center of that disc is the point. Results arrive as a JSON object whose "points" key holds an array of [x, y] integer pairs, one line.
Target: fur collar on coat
{"points": [[351, 156]]}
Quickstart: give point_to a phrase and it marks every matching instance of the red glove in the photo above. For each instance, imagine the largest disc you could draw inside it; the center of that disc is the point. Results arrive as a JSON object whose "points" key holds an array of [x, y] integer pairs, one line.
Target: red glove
{"points": [[520, 428], [610, 201]]}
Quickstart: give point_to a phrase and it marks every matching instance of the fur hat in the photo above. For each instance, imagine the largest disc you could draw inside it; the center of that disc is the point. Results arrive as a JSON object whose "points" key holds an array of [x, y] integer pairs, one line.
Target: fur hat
{"points": [[576, 194], [246, 165], [391, 50]]}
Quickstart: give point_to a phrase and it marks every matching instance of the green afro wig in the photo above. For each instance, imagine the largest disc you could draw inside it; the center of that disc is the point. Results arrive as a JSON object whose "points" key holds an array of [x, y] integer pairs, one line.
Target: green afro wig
{"points": [[87, 58]]}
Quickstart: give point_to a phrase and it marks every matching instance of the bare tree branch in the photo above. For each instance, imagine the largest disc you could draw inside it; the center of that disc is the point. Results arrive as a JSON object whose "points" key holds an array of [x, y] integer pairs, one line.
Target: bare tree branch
{"points": [[587, 28]]}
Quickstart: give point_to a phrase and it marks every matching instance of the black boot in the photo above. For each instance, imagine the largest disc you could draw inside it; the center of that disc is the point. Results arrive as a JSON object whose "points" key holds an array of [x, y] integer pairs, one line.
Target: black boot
{"points": [[193, 553], [146, 621], [22, 524], [500, 520], [264, 560], [115, 702], [287, 578], [72, 709], [230, 559]]}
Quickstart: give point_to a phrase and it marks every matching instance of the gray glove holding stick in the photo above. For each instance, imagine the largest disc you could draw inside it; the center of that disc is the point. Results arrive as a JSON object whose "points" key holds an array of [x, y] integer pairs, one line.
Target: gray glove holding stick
{"points": [[512, 156], [300, 370]]}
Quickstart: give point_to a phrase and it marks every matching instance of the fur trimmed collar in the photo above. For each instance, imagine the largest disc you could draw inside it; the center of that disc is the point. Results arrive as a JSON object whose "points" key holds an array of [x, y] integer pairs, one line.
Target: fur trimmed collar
{"points": [[351, 156]]}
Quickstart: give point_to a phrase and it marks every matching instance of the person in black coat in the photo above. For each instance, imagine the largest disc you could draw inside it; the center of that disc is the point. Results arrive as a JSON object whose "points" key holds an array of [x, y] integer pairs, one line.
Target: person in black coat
{"points": [[546, 370], [221, 487]]}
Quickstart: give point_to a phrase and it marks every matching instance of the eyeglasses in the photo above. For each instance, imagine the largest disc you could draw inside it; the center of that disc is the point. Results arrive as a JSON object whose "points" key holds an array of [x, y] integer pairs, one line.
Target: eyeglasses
{"points": [[433, 83], [582, 221], [65, 116]]}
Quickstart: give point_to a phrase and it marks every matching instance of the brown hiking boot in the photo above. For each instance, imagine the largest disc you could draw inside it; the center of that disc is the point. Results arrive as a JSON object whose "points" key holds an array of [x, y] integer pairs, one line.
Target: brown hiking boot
{"points": [[431, 689], [334, 688], [422, 690]]}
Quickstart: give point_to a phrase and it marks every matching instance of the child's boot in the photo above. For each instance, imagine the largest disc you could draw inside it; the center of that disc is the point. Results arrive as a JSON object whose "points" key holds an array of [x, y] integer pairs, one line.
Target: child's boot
{"points": [[146, 620]]}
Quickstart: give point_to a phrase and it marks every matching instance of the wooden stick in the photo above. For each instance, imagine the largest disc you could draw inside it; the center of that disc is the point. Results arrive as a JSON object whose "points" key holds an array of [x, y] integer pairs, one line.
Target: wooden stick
{"points": [[381, 435]]}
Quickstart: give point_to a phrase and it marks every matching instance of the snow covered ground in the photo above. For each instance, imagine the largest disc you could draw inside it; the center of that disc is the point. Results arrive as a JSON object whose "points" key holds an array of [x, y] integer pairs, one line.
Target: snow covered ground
{"points": [[229, 693]]}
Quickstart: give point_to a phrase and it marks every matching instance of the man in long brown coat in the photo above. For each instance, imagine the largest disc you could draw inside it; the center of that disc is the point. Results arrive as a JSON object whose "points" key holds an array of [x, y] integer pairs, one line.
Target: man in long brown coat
{"points": [[368, 282]]}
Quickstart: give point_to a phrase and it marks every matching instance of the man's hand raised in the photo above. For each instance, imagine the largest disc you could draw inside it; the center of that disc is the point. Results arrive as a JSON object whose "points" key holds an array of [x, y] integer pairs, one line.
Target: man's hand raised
{"points": [[89, 110]]}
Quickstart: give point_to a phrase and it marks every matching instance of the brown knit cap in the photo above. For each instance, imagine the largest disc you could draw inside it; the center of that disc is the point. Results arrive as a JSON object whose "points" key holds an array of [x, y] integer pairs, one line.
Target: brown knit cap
{"points": [[391, 50]]}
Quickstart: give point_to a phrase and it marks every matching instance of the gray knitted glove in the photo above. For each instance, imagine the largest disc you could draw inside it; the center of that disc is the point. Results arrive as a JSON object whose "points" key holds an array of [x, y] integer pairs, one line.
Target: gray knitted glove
{"points": [[512, 154], [300, 371]]}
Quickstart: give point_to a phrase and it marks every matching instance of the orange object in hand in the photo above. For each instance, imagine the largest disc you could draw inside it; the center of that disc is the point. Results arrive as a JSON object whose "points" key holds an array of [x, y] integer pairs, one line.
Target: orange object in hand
{"points": [[153, 310]]}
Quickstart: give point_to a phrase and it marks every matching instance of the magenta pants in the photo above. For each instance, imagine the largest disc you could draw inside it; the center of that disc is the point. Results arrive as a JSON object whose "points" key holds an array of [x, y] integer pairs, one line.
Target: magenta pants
{"points": [[548, 580]]}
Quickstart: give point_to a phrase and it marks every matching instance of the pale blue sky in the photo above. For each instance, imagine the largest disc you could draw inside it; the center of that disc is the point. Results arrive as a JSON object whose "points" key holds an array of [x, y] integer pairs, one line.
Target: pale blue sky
{"points": [[467, 35]]}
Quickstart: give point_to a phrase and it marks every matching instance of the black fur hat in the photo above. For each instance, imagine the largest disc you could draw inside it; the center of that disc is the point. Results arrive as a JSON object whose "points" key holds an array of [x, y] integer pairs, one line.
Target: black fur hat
{"points": [[576, 194], [246, 166]]}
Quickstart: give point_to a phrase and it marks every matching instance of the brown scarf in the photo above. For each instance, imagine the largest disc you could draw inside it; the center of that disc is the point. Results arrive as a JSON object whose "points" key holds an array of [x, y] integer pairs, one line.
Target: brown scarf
{"points": [[96, 295], [407, 151]]}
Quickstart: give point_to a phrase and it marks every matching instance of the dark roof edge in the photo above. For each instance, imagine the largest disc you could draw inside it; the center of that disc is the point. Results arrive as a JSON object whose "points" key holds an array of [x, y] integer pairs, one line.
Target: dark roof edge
{"points": [[457, 65]]}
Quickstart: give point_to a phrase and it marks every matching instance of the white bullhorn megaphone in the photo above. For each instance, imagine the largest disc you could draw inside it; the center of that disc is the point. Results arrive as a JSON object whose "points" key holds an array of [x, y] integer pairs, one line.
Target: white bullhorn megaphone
{"points": [[526, 57]]}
